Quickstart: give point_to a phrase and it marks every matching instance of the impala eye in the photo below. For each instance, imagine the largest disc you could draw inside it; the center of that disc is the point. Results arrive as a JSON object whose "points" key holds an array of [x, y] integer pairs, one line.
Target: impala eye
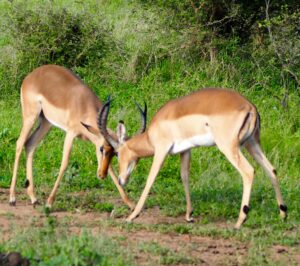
{"points": [[101, 149]]}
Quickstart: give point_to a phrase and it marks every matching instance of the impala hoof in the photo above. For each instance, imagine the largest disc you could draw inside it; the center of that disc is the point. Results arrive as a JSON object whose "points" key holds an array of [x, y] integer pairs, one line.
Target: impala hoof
{"points": [[283, 216], [190, 219], [49, 202], [35, 203], [283, 212], [12, 203], [238, 226], [131, 205], [128, 220]]}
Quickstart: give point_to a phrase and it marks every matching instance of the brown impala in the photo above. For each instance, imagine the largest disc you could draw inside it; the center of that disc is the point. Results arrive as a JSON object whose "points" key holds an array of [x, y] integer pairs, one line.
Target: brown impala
{"points": [[204, 118], [55, 96]]}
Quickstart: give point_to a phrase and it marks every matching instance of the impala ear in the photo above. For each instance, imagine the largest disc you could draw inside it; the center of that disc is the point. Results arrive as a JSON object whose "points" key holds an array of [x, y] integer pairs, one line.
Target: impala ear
{"points": [[121, 132], [91, 129]]}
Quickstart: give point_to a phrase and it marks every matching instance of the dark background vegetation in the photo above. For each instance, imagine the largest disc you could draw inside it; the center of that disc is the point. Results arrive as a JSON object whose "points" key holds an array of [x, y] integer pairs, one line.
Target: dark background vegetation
{"points": [[257, 38], [154, 51]]}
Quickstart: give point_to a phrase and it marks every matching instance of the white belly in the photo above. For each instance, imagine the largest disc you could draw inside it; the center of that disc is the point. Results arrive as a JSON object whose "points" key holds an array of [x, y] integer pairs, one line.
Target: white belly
{"points": [[54, 123], [56, 116], [186, 144]]}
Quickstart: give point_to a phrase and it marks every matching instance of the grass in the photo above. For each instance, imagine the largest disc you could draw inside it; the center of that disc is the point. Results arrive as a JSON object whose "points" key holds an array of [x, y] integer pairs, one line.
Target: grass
{"points": [[55, 247], [216, 187]]}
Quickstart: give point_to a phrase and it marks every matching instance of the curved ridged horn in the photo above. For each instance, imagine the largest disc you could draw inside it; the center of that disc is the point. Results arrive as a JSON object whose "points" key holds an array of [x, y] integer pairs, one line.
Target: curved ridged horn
{"points": [[102, 121], [143, 116]]}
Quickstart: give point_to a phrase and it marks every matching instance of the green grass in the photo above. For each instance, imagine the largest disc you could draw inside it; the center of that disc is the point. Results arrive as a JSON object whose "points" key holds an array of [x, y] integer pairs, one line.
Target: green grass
{"points": [[55, 247], [216, 187]]}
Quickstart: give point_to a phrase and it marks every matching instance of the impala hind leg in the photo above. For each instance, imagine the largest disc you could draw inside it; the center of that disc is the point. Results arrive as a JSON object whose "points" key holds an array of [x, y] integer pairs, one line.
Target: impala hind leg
{"points": [[28, 123], [156, 165], [30, 147], [256, 152], [64, 163], [185, 171], [238, 160]]}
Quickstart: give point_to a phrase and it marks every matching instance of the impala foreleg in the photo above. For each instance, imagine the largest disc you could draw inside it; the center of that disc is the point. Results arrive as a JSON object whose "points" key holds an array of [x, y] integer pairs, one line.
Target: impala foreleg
{"points": [[30, 147], [185, 171], [65, 160], [255, 151], [156, 165], [123, 194]]}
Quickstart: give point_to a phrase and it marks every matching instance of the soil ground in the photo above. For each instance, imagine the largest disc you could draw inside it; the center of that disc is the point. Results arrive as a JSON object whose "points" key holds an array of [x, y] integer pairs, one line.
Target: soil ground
{"points": [[203, 250]]}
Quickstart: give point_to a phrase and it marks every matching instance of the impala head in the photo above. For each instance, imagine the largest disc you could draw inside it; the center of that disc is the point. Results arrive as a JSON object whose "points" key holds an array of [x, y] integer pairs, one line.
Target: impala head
{"points": [[104, 151], [127, 158]]}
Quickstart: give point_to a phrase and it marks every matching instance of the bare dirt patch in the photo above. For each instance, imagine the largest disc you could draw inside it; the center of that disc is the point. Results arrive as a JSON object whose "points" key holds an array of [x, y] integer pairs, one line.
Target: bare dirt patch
{"points": [[284, 255], [149, 246], [200, 250]]}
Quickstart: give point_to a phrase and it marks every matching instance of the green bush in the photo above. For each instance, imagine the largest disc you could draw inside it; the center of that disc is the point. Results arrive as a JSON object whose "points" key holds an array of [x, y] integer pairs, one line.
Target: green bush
{"points": [[42, 34]]}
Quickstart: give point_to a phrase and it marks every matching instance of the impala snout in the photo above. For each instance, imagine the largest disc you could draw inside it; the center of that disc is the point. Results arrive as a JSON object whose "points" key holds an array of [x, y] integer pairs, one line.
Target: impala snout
{"points": [[101, 175], [103, 168], [124, 175], [107, 154]]}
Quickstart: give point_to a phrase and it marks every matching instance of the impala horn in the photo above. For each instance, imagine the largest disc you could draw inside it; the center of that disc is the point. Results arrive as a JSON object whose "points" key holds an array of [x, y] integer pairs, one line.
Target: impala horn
{"points": [[143, 116], [102, 121]]}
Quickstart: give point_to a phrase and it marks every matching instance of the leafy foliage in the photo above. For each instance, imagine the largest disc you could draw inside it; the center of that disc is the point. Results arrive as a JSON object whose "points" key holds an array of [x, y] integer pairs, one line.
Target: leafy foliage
{"points": [[45, 35], [156, 50]]}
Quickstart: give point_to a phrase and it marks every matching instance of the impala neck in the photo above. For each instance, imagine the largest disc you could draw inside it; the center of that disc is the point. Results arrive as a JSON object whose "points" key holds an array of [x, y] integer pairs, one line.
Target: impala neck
{"points": [[141, 145]]}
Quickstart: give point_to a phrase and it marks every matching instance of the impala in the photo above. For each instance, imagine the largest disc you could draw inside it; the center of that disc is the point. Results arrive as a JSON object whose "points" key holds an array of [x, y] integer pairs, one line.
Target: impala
{"points": [[55, 96], [206, 117]]}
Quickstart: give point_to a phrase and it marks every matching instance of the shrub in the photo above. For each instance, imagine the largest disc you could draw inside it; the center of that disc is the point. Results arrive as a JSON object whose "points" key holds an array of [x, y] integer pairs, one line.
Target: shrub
{"points": [[45, 35]]}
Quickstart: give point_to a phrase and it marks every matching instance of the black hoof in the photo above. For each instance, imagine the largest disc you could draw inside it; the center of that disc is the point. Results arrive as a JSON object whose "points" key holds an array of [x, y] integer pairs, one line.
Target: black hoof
{"points": [[36, 203], [12, 203]]}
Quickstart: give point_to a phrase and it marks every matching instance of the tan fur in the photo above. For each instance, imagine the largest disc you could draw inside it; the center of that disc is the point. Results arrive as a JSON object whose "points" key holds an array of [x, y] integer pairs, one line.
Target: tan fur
{"points": [[55, 96], [220, 115]]}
